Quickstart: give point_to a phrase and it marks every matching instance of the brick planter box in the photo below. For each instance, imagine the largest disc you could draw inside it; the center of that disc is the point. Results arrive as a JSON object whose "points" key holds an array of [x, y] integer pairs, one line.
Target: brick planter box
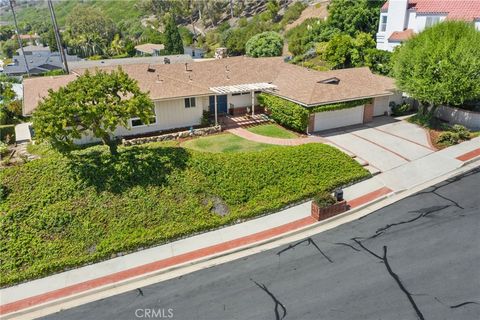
{"points": [[320, 214]]}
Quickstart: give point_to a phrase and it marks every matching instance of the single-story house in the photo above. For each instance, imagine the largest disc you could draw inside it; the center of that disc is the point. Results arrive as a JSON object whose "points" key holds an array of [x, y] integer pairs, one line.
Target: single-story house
{"points": [[38, 62], [151, 49], [181, 92]]}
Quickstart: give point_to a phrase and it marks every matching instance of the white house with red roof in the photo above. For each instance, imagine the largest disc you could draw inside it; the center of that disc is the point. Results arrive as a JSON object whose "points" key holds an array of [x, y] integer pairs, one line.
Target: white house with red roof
{"points": [[401, 19]]}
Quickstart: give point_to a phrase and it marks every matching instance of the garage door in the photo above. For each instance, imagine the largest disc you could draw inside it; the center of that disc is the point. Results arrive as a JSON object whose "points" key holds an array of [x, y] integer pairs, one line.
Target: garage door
{"points": [[339, 118], [380, 106]]}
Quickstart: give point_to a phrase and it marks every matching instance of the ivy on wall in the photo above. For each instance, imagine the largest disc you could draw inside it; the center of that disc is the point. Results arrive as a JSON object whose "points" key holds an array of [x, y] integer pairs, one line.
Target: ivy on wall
{"points": [[294, 116]]}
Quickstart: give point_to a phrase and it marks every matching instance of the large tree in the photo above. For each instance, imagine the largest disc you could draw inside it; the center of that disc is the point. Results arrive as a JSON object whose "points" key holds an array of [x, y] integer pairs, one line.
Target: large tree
{"points": [[173, 40], [94, 104], [266, 44], [89, 31], [352, 16], [441, 65]]}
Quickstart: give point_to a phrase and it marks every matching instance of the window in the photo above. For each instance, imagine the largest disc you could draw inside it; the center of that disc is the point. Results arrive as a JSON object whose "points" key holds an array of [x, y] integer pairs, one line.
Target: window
{"points": [[137, 122], [431, 21], [189, 102], [383, 24]]}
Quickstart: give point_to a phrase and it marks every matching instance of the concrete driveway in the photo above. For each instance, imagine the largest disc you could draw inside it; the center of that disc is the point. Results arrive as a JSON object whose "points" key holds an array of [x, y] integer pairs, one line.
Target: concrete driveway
{"points": [[384, 143]]}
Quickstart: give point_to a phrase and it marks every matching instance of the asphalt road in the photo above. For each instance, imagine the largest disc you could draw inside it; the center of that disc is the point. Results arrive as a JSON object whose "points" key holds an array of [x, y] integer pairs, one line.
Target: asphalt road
{"points": [[416, 259]]}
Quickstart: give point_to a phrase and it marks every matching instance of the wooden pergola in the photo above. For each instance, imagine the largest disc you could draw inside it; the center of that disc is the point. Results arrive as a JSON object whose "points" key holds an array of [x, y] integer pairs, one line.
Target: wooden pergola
{"points": [[241, 88]]}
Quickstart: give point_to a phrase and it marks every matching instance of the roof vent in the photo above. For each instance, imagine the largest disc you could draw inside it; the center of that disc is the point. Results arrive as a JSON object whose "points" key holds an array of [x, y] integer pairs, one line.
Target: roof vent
{"points": [[226, 68], [150, 68], [333, 80], [186, 67], [166, 60]]}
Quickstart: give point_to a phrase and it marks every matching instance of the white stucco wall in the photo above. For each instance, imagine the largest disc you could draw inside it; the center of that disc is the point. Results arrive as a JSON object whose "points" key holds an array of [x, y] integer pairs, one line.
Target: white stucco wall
{"points": [[421, 20], [466, 118]]}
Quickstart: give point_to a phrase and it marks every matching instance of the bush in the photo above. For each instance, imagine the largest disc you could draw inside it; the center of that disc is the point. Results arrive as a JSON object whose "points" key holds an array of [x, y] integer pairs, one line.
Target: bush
{"points": [[266, 44], [3, 148], [292, 13], [400, 109], [62, 212], [7, 133], [448, 138], [324, 199], [463, 133], [205, 120], [284, 112]]}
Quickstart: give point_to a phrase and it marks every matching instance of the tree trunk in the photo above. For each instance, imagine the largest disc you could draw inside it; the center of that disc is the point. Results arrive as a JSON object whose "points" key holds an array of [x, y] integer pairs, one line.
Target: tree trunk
{"points": [[112, 144]]}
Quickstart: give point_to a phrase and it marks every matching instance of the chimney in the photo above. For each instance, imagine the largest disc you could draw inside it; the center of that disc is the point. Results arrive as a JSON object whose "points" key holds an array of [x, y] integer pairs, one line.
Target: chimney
{"points": [[397, 16]]}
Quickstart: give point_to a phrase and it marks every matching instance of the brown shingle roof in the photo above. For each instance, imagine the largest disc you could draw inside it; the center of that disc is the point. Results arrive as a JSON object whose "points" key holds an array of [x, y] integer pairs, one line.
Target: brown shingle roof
{"points": [[193, 79], [149, 48]]}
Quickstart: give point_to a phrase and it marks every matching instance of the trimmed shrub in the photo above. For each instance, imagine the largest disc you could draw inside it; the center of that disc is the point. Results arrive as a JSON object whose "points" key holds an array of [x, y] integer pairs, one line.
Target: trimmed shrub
{"points": [[400, 109], [324, 199], [448, 138], [7, 133], [463, 133], [284, 112]]}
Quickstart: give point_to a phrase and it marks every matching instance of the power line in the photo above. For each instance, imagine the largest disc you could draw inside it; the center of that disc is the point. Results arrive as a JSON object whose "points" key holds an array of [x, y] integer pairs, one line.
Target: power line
{"points": [[18, 37], [57, 37]]}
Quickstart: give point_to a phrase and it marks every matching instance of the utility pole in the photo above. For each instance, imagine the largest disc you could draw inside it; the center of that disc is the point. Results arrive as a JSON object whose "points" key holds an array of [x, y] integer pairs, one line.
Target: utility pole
{"points": [[18, 37], [57, 37]]}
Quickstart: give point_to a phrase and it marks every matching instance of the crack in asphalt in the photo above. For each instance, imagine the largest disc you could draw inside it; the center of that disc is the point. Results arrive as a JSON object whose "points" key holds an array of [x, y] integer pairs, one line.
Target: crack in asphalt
{"points": [[309, 241], [463, 304], [423, 213], [347, 245], [277, 302], [397, 279]]}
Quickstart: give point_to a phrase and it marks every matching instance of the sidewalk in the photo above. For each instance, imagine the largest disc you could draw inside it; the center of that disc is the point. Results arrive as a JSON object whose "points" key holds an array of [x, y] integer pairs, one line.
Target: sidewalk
{"points": [[217, 242]]}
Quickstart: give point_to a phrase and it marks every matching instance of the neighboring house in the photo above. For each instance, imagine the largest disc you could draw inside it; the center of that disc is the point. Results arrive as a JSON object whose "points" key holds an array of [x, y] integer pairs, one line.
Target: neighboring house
{"points": [[29, 38], [151, 49], [31, 49], [182, 92], [39, 62], [401, 19], [179, 58], [195, 53]]}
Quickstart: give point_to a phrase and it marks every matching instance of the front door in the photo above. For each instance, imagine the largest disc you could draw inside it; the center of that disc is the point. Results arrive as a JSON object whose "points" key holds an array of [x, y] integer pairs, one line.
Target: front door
{"points": [[221, 104]]}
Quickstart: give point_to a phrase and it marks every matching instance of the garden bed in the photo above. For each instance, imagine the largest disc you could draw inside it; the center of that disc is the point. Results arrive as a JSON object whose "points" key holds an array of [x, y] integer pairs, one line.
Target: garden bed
{"points": [[62, 212]]}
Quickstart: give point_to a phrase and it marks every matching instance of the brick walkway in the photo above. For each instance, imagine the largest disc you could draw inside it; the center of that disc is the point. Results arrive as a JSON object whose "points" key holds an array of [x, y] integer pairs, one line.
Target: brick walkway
{"points": [[269, 140]]}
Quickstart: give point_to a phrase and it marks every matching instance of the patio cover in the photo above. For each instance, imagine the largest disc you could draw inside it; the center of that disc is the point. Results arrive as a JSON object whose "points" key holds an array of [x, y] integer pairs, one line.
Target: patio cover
{"points": [[243, 88]]}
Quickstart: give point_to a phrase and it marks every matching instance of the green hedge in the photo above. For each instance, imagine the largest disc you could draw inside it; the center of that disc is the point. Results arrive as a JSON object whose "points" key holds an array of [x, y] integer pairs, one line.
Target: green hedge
{"points": [[289, 114], [294, 116], [338, 106], [62, 212], [7, 132]]}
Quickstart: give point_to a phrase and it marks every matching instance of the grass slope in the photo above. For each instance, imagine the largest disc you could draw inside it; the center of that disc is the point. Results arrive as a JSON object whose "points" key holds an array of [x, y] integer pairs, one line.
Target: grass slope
{"points": [[59, 212], [272, 130], [224, 143], [124, 11]]}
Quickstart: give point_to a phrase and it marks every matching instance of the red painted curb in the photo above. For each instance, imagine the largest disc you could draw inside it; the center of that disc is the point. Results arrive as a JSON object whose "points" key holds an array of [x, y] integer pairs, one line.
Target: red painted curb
{"points": [[369, 197], [469, 155], [154, 266]]}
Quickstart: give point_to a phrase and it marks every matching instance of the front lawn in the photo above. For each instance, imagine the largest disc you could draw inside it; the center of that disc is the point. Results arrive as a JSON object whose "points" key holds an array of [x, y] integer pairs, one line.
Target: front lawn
{"points": [[273, 130], [60, 212], [225, 142]]}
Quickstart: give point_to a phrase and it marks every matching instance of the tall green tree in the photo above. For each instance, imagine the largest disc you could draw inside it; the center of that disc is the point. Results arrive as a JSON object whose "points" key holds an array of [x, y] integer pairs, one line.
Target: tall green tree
{"points": [[266, 44], [441, 65], [173, 40], [93, 104], [353, 16], [88, 31]]}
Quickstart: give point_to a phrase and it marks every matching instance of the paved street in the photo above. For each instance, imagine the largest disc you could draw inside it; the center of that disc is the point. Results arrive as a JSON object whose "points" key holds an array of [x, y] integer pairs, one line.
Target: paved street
{"points": [[415, 259]]}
